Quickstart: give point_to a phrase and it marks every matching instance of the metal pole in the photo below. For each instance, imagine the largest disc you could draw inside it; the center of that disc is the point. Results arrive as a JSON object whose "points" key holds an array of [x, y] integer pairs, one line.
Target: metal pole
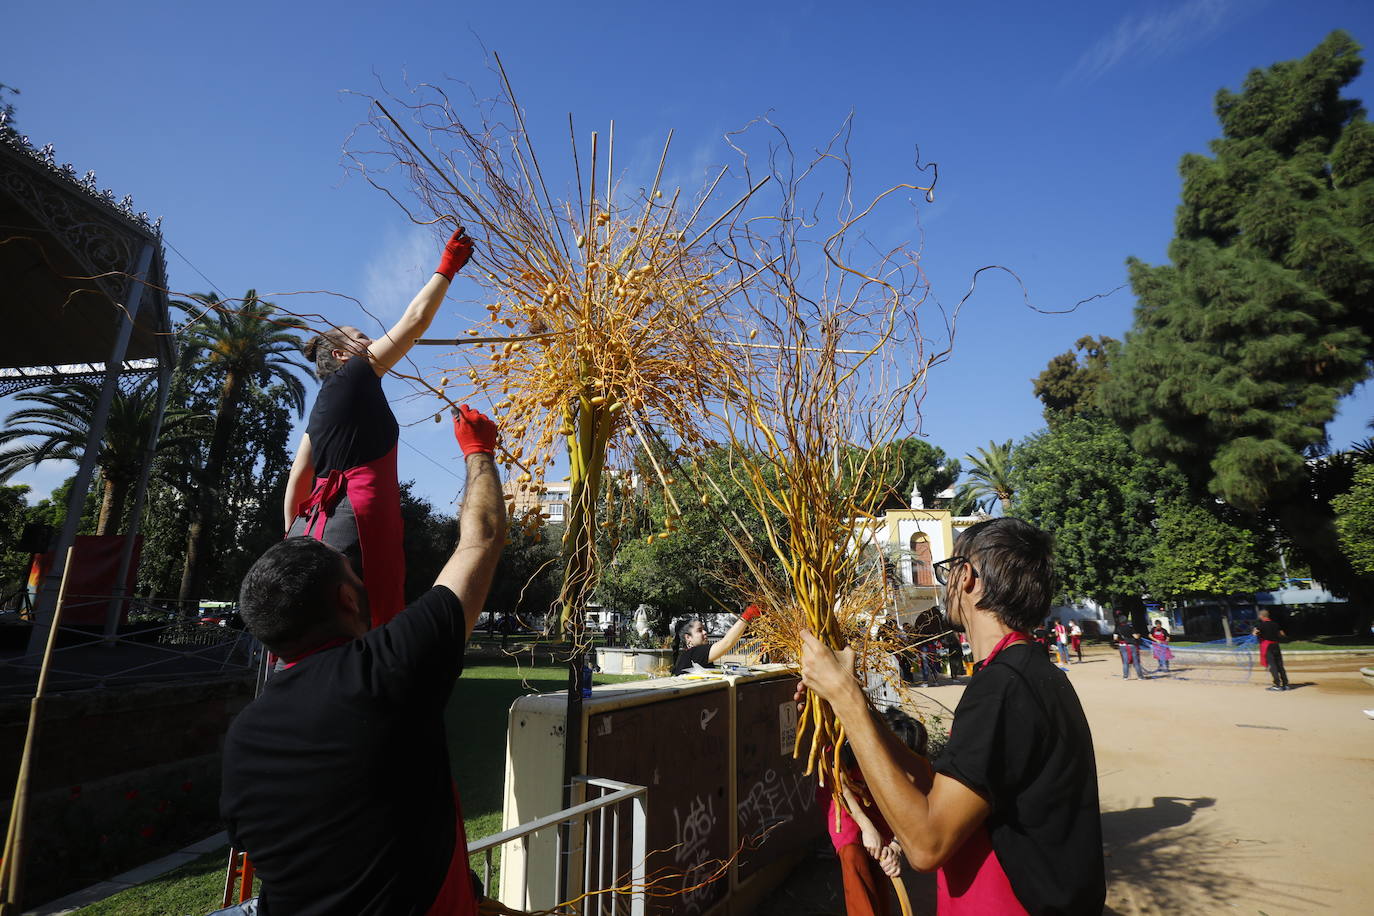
{"points": [[639, 852], [45, 602], [126, 553]]}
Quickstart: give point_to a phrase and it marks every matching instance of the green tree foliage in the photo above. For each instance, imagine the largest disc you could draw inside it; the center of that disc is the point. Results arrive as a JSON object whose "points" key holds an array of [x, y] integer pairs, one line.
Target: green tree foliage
{"points": [[1068, 386], [1355, 520], [14, 515], [1262, 321], [246, 519], [1082, 482], [528, 576], [903, 466], [1198, 552], [428, 540], [696, 569], [990, 477], [61, 422], [249, 347]]}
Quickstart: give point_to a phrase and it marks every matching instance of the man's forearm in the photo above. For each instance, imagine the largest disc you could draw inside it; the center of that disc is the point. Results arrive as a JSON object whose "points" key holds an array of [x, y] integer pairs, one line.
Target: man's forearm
{"points": [[484, 506]]}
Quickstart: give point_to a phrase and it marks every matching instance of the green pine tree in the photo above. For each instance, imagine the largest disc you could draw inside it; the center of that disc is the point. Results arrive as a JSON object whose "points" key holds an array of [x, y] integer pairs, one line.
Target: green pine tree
{"points": [[1262, 321]]}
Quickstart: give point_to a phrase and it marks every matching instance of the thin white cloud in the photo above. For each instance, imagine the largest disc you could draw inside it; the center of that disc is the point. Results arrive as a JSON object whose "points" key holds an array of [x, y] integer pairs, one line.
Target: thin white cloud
{"points": [[1162, 31], [402, 264]]}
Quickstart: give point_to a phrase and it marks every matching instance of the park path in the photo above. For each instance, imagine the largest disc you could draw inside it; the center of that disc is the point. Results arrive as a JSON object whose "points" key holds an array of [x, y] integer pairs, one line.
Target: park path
{"points": [[1220, 796]]}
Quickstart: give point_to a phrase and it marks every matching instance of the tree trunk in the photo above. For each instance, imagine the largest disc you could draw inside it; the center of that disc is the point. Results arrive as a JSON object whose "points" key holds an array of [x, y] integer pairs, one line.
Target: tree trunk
{"points": [[112, 506], [102, 527], [207, 493]]}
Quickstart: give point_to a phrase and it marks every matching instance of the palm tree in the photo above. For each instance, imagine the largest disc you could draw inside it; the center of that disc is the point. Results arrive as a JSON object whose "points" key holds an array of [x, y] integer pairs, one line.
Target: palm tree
{"points": [[989, 474], [966, 501], [63, 422], [235, 347]]}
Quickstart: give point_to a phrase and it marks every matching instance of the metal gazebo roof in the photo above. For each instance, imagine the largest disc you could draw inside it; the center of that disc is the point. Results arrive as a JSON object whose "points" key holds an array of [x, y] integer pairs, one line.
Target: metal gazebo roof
{"points": [[83, 283]]}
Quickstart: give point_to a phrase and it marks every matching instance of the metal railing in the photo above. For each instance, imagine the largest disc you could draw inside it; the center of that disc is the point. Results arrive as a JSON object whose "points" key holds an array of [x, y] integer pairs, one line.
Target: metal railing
{"points": [[600, 871]]}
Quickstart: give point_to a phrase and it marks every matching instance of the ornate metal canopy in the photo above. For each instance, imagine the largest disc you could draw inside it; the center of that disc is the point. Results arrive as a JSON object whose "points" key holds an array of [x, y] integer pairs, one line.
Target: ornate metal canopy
{"points": [[67, 253]]}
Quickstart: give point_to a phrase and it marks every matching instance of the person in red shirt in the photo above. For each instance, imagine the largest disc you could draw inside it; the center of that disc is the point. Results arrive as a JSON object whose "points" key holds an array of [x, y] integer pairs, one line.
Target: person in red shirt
{"points": [[343, 488], [1009, 816]]}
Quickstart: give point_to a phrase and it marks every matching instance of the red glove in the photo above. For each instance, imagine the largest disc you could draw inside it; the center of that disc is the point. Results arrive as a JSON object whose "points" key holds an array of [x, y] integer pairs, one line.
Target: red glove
{"points": [[474, 431], [752, 612], [456, 254]]}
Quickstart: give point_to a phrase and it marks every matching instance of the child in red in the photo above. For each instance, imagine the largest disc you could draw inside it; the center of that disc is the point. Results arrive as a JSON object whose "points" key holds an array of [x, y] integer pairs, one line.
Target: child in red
{"points": [[861, 835]]}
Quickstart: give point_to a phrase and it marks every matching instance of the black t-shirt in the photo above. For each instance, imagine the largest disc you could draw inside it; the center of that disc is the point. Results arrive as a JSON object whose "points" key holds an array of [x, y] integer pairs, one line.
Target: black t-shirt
{"points": [[336, 778], [700, 654], [351, 422], [1020, 739], [1269, 630], [1125, 634]]}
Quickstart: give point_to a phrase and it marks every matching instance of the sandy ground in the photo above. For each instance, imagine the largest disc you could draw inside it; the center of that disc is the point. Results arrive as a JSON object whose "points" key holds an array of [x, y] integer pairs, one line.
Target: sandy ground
{"points": [[1217, 795], [1220, 796]]}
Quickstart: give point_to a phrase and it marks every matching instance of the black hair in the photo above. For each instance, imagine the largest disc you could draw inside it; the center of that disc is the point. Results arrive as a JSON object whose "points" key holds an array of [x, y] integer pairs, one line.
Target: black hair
{"points": [[910, 730], [288, 593], [1016, 562], [680, 630], [320, 351]]}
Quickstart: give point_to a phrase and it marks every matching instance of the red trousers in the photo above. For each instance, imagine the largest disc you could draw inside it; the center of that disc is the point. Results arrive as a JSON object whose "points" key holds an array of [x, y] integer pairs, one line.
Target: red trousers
{"points": [[865, 885]]}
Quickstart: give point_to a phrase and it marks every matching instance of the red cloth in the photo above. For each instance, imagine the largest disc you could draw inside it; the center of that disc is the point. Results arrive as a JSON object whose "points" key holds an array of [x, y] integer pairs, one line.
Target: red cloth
{"points": [[865, 885], [456, 896], [848, 832], [972, 881], [376, 499], [1264, 652]]}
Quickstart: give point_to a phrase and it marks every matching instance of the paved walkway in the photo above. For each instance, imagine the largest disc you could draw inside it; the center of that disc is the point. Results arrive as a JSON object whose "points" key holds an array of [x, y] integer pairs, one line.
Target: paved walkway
{"points": [[132, 878]]}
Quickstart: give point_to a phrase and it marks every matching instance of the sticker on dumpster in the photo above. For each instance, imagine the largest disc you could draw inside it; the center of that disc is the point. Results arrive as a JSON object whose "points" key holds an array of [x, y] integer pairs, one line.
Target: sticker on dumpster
{"points": [[787, 727]]}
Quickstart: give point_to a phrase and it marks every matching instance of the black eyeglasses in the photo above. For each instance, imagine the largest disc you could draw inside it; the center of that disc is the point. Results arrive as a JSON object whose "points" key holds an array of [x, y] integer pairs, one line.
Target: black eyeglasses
{"points": [[945, 567]]}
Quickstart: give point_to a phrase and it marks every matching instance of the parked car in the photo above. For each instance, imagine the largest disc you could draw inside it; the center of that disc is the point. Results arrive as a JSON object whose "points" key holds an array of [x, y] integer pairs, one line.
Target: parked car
{"points": [[219, 614]]}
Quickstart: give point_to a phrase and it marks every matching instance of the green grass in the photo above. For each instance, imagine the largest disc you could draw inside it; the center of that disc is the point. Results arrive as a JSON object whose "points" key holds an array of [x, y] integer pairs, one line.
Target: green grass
{"points": [[476, 719]]}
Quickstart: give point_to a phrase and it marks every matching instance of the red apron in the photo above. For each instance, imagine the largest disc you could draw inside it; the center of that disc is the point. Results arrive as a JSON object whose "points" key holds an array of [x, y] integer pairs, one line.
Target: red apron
{"points": [[375, 497], [972, 880], [456, 897], [1264, 652]]}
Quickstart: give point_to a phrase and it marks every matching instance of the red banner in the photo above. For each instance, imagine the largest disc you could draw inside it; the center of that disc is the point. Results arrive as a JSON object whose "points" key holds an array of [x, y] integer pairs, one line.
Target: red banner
{"points": [[91, 579]]}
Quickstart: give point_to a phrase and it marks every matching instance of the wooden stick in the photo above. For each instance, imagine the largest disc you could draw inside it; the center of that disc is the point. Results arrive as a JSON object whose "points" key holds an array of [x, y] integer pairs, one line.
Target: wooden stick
{"points": [[902, 898], [12, 866]]}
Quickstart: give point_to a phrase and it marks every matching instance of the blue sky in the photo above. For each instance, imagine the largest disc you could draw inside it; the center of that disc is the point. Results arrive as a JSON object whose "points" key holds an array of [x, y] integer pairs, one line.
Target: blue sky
{"points": [[1057, 127]]}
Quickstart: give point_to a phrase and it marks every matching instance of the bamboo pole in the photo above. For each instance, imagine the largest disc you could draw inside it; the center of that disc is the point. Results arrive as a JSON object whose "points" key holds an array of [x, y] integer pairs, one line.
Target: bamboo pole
{"points": [[12, 865]]}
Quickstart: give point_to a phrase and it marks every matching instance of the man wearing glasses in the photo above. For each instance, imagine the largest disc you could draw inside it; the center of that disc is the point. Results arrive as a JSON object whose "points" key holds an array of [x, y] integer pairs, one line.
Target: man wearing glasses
{"points": [[1009, 813]]}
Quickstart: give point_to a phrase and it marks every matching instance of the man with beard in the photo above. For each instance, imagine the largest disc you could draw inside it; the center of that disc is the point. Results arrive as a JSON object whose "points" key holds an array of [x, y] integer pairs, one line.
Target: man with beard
{"points": [[1009, 814]]}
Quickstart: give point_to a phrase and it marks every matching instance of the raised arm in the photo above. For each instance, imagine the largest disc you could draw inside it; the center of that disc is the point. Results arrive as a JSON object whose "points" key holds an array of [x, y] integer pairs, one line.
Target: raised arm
{"points": [[732, 635], [482, 526], [391, 347], [299, 482]]}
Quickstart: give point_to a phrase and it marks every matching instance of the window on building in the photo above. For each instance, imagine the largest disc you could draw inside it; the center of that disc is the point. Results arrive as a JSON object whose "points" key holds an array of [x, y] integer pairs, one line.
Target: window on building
{"points": [[555, 511], [921, 572]]}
